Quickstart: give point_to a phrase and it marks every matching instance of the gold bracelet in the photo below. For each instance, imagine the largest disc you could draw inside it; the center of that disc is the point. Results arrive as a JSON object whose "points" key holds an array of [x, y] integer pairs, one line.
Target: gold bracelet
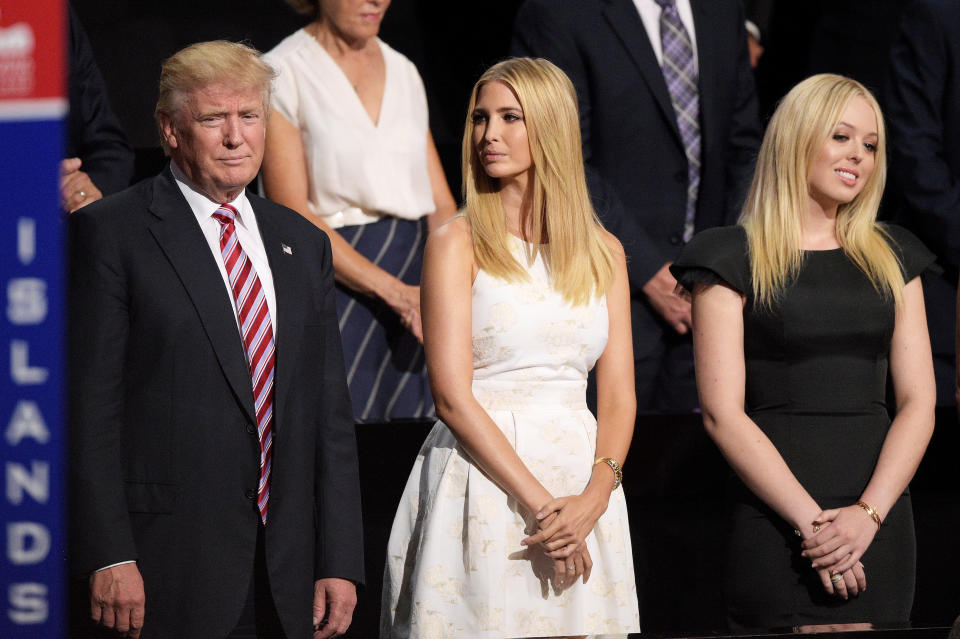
{"points": [[872, 512], [614, 466]]}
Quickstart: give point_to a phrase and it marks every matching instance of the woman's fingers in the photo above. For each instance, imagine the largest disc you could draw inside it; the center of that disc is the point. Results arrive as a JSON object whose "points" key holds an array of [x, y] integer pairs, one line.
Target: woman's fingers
{"points": [[563, 552], [825, 580], [587, 564], [826, 516], [860, 575], [839, 585], [559, 575], [578, 567], [824, 548], [853, 588], [848, 562], [553, 505]]}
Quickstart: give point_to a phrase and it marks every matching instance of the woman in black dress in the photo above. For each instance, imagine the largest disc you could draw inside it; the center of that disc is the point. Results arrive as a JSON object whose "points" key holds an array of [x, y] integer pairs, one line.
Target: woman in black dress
{"points": [[799, 312]]}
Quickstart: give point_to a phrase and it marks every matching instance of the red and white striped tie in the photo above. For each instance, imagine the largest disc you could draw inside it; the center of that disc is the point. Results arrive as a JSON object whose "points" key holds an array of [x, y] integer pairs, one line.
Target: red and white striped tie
{"points": [[257, 334]]}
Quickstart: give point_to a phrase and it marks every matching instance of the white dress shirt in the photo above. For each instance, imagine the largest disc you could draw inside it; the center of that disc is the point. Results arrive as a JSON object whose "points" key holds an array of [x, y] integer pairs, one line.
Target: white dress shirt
{"points": [[650, 15], [248, 234]]}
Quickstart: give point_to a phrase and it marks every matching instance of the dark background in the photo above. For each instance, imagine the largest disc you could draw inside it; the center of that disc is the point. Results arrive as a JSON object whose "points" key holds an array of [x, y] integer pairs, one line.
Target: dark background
{"points": [[451, 42], [674, 477]]}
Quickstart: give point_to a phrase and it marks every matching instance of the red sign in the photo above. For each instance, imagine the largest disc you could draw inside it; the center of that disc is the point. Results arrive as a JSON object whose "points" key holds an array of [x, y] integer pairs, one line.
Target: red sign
{"points": [[32, 56]]}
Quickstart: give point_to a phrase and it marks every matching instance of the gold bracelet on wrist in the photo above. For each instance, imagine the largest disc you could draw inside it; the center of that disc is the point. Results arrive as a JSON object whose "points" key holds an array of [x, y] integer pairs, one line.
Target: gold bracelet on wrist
{"points": [[874, 515], [614, 466]]}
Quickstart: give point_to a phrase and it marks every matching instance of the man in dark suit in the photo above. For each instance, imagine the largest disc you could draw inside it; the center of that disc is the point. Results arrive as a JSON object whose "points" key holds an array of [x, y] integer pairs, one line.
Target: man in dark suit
{"points": [[99, 160], [922, 109], [214, 471], [678, 162]]}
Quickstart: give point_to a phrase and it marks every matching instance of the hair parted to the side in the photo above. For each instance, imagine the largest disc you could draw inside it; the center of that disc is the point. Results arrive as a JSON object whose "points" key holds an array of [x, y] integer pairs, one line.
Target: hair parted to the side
{"points": [[778, 198], [564, 227], [305, 7], [203, 64]]}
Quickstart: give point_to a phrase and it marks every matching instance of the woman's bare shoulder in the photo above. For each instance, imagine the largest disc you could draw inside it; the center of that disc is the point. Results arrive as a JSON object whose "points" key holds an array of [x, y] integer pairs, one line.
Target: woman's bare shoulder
{"points": [[454, 234], [613, 244]]}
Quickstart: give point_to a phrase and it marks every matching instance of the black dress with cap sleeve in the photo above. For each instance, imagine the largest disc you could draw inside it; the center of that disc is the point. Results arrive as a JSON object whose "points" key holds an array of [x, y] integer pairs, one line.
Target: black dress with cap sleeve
{"points": [[816, 381]]}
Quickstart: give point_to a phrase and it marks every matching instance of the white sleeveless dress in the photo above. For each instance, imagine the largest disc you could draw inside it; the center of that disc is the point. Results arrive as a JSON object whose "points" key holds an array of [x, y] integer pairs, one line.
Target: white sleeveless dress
{"points": [[455, 567]]}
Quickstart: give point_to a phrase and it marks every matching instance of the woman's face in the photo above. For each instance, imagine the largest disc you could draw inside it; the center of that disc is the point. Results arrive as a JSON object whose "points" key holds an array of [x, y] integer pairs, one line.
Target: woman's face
{"points": [[845, 162], [357, 19], [499, 132]]}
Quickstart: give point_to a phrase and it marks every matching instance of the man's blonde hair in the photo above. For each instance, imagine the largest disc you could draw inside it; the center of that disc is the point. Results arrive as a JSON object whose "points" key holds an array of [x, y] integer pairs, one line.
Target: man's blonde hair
{"points": [[206, 63]]}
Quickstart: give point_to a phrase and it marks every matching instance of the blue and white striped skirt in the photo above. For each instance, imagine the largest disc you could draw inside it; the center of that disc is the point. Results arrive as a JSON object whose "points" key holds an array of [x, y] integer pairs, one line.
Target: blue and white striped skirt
{"points": [[386, 369]]}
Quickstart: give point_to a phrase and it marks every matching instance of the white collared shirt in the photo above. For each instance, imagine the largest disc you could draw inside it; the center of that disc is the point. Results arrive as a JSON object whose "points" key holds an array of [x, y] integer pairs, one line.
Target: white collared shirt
{"points": [[650, 16], [248, 234]]}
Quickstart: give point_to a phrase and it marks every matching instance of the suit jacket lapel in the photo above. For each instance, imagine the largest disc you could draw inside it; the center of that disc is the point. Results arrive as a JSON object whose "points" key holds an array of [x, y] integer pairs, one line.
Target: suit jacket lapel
{"points": [[707, 47], [626, 23], [284, 266], [182, 241]]}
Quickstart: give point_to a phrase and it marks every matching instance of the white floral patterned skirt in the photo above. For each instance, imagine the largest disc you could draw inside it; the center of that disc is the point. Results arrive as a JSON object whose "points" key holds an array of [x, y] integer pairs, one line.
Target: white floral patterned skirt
{"points": [[455, 567]]}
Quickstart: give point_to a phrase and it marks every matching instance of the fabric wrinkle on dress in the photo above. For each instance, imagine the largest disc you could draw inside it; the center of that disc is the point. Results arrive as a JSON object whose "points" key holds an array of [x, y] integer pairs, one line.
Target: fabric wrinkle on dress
{"points": [[455, 566], [369, 181], [816, 382]]}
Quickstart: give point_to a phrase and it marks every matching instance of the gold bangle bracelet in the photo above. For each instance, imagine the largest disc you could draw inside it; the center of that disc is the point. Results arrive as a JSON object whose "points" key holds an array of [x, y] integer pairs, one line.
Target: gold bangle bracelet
{"points": [[874, 515], [614, 466]]}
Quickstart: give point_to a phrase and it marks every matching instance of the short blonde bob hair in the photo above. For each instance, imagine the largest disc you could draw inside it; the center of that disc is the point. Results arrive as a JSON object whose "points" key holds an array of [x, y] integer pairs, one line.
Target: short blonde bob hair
{"points": [[778, 198], [564, 226], [203, 64]]}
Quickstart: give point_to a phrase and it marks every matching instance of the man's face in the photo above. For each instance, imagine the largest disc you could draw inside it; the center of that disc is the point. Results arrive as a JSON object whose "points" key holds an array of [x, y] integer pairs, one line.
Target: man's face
{"points": [[217, 138]]}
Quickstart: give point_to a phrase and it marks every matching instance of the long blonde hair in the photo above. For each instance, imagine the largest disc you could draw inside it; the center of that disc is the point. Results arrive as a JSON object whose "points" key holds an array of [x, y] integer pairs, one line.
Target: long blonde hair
{"points": [[564, 226], [777, 202]]}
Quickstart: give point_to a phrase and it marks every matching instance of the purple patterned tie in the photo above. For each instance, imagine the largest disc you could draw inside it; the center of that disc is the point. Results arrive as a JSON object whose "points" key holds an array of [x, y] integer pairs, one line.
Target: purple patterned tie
{"points": [[680, 72]]}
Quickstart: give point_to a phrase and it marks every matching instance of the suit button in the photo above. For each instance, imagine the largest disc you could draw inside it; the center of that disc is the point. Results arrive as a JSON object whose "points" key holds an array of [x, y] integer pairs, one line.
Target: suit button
{"points": [[676, 239], [680, 176], [250, 429], [251, 494]]}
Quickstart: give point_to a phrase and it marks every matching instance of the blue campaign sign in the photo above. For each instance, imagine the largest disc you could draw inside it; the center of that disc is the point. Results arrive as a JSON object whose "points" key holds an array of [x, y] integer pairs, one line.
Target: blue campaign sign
{"points": [[32, 335], [32, 397]]}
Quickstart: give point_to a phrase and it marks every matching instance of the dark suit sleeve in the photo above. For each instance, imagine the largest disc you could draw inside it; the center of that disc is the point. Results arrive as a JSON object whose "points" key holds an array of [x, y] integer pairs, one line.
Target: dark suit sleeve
{"points": [[743, 141], [94, 133], [539, 32], [339, 544], [915, 106], [98, 313]]}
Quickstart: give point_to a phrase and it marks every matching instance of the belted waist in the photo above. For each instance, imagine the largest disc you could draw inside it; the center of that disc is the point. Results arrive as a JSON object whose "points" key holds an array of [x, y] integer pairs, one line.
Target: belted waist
{"points": [[351, 216], [526, 394]]}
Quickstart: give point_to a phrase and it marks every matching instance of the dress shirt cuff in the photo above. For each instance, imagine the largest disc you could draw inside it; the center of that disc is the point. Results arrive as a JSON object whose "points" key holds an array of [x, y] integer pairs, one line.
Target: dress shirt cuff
{"points": [[119, 563]]}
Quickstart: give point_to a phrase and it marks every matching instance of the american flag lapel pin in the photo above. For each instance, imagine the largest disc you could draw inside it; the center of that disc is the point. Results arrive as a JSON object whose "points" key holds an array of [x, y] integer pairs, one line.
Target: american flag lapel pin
{"points": [[287, 249]]}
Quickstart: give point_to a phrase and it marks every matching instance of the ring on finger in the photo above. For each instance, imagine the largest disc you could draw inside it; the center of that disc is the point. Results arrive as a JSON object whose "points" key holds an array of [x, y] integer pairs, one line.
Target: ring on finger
{"points": [[836, 577], [571, 567], [82, 194]]}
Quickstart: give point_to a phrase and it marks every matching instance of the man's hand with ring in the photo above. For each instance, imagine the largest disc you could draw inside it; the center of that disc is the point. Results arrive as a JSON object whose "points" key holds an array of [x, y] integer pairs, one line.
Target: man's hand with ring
{"points": [[76, 188]]}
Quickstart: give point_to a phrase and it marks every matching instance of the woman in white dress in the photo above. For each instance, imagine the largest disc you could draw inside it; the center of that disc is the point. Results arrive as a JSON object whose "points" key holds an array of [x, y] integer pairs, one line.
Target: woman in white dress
{"points": [[512, 523], [348, 146]]}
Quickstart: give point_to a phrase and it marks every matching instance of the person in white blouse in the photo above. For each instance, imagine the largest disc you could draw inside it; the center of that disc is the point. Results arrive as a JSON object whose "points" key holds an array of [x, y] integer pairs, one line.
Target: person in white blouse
{"points": [[349, 147]]}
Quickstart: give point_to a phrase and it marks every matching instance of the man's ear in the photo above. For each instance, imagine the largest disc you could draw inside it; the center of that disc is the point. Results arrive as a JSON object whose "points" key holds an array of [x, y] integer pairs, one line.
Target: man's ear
{"points": [[169, 128]]}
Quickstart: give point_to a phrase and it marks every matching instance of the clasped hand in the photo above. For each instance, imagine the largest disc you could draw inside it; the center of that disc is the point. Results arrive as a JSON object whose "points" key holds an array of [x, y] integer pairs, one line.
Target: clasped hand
{"points": [[845, 534], [564, 524]]}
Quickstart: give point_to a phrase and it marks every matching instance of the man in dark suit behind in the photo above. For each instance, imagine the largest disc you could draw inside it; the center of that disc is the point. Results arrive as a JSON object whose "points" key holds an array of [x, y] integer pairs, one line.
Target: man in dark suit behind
{"points": [[214, 475], [922, 108], [631, 138]]}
